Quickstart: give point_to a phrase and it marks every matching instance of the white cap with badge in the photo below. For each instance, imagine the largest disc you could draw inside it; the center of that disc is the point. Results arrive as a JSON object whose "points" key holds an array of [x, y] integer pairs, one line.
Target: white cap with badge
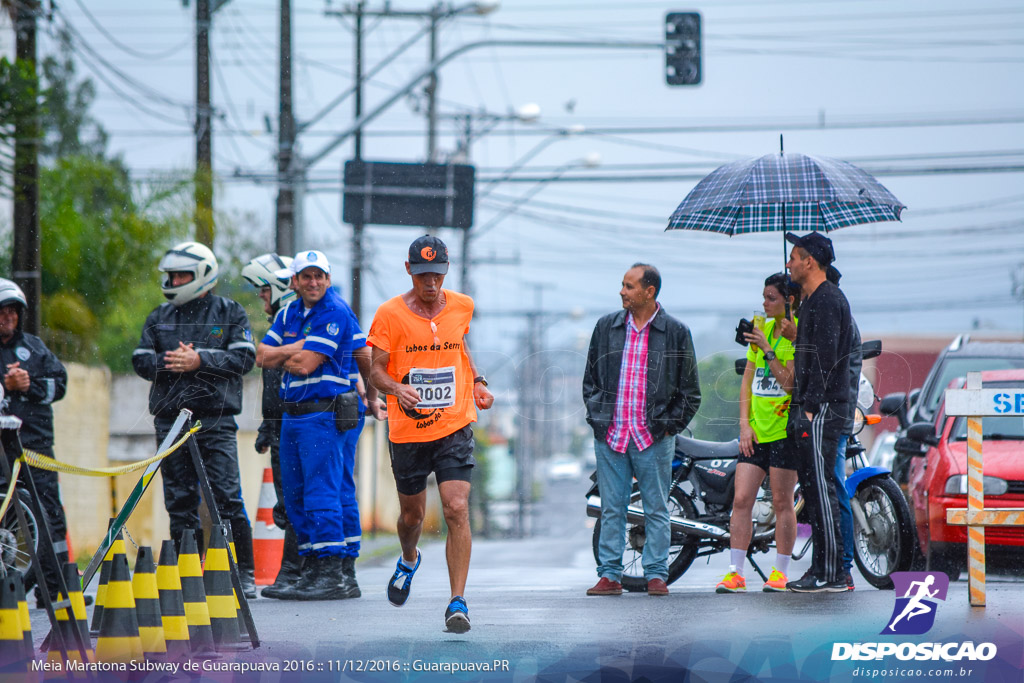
{"points": [[303, 260]]}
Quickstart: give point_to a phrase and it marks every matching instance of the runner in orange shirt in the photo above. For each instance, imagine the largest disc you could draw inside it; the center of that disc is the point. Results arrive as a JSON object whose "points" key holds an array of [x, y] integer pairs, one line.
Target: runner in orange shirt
{"points": [[422, 363]]}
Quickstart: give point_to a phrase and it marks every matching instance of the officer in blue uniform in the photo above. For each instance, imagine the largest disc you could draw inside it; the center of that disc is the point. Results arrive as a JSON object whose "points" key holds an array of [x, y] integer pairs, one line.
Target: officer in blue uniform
{"points": [[318, 343]]}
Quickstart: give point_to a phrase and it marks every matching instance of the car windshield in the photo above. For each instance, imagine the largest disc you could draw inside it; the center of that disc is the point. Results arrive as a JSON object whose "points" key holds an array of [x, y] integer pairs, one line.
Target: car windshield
{"points": [[993, 428], [959, 367]]}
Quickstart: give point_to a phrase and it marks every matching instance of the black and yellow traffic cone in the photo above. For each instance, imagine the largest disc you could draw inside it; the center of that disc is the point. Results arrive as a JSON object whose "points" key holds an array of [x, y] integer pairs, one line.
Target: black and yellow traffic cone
{"points": [[119, 631], [101, 589], [147, 605], [66, 627], [26, 621], [243, 632], [74, 584], [172, 604], [220, 593], [197, 612], [12, 639]]}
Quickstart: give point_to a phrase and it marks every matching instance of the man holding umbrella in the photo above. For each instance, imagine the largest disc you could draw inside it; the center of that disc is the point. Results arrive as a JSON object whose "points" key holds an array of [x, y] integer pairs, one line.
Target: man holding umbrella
{"points": [[821, 394]]}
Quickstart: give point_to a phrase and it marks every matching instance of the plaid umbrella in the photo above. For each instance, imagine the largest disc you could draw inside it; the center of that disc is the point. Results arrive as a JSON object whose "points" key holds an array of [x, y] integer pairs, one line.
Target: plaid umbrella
{"points": [[785, 192]]}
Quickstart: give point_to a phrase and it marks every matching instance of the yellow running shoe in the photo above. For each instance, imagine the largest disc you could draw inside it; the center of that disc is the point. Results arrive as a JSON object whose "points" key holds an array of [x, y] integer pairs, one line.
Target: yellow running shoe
{"points": [[733, 583], [776, 582]]}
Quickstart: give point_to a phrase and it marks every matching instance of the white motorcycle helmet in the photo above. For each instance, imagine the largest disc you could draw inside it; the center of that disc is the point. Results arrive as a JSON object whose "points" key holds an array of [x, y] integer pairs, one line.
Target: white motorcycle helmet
{"points": [[260, 272], [10, 293], [188, 257]]}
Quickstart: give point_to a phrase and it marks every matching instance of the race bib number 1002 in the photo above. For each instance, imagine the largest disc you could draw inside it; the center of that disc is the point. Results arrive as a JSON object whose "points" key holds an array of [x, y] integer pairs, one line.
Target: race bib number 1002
{"points": [[436, 387]]}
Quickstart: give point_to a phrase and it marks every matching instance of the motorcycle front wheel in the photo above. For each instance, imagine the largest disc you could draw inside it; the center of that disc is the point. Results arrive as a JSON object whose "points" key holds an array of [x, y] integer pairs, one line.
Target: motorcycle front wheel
{"points": [[682, 548], [14, 545], [886, 545]]}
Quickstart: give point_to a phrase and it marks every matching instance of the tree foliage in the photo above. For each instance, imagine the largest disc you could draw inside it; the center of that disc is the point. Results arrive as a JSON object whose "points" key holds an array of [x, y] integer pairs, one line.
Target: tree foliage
{"points": [[19, 96], [99, 259]]}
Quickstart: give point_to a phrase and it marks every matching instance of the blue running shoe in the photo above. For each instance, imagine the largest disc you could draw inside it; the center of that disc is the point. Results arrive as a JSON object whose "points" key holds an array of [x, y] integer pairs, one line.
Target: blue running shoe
{"points": [[456, 617], [401, 581]]}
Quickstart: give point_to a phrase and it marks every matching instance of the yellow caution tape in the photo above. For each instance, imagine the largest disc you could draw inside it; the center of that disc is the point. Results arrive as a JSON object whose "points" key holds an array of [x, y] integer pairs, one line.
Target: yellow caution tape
{"points": [[10, 488], [45, 463]]}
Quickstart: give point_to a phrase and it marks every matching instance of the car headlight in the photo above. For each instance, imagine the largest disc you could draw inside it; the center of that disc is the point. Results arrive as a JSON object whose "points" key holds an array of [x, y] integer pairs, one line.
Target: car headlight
{"points": [[991, 486]]}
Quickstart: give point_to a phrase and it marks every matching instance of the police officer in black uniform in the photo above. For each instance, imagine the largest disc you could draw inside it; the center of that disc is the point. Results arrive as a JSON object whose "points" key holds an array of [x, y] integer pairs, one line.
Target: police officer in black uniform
{"points": [[276, 293], [33, 379], [195, 349]]}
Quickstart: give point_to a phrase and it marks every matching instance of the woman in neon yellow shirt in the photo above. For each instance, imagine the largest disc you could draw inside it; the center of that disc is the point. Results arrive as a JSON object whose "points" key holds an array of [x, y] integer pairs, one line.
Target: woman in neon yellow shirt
{"points": [[764, 408]]}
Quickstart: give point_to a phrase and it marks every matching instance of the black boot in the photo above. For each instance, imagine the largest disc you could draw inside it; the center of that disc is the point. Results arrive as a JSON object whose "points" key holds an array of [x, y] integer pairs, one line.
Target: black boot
{"points": [[291, 568], [348, 568], [328, 583], [242, 533], [307, 575]]}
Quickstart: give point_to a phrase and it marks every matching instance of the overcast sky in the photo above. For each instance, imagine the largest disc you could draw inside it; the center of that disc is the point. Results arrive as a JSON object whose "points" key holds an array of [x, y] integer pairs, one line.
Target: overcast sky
{"points": [[926, 93]]}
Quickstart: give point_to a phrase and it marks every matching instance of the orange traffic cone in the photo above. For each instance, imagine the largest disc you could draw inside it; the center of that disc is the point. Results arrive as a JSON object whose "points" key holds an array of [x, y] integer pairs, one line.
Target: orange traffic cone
{"points": [[267, 537]]}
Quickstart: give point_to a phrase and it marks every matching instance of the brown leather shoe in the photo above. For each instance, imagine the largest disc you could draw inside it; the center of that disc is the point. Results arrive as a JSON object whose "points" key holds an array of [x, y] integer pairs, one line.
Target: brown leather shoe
{"points": [[605, 587], [657, 587]]}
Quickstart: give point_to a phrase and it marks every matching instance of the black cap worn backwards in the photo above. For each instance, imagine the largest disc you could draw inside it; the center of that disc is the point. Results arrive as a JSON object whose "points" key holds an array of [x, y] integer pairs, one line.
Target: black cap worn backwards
{"points": [[815, 244], [428, 254]]}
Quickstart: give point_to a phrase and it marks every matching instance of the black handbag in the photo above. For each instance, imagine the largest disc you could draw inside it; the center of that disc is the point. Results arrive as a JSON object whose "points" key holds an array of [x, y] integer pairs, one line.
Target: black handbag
{"points": [[346, 411]]}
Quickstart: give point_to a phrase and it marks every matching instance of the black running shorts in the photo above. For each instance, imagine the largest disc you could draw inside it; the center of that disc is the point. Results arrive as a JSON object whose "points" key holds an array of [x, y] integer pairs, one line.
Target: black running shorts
{"points": [[779, 453], [450, 458]]}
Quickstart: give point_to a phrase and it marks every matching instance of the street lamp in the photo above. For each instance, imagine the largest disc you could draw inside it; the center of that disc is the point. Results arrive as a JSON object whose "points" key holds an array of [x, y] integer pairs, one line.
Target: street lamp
{"points": [[488, 187], [591, 160], [472, 130]]}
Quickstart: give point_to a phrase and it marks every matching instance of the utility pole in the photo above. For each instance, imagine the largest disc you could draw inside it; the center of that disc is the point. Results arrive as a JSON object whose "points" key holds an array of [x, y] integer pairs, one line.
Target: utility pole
{"points": [[26, 264], [285, 240], [436, 12], [357, 139], [204, 137]]}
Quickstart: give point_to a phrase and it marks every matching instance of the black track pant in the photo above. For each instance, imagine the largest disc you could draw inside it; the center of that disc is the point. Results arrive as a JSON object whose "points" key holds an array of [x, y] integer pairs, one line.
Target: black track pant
{"points": [[218, 447], [816, 442], [49, 499]]}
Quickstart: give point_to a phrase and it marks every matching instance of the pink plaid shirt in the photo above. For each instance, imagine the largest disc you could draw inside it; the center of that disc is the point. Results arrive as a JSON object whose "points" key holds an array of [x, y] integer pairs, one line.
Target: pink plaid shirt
{"points": [[631, 399]]}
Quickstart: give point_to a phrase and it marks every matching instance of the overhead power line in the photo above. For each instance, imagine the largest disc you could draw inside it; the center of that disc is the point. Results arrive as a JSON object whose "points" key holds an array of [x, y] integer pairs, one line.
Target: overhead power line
{"points": [[152, 56]]}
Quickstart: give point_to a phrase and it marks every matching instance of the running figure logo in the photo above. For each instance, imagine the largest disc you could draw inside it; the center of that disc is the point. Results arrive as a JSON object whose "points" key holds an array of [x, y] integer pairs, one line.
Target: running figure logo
{"points": [[914, 612]]}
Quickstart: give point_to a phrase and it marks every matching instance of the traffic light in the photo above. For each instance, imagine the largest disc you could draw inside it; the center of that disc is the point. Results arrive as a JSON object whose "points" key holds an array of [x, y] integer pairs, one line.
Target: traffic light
{"points": [[682, 48]]}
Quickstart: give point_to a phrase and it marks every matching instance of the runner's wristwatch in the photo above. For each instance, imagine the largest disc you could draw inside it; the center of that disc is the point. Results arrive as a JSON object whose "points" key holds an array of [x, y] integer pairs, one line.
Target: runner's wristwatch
{"points": [[480, 379], [769, 357]]}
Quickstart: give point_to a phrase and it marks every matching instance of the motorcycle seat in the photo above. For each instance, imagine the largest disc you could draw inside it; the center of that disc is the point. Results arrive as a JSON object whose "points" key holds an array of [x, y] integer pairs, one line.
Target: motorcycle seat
{"points": [[707, 450]]}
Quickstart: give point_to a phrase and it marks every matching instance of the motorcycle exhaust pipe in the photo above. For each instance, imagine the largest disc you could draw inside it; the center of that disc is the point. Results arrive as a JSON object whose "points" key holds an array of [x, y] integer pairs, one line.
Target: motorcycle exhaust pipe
{"points": [[635, 515]]}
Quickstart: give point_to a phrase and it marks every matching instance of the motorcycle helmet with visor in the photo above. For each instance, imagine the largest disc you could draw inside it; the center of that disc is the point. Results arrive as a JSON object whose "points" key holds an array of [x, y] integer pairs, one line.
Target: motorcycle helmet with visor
{"points": [[11, 294], [261, 272], [188, 257]]}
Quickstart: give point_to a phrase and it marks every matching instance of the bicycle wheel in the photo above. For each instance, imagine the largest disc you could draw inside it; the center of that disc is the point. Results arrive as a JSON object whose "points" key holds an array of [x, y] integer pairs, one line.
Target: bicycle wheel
{"points": [[14, 545]]}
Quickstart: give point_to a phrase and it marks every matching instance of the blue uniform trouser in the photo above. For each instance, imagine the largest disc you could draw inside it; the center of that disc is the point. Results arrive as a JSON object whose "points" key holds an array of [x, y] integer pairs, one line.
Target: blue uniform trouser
{"points": [[845, 514], [312, 471], [349, 505]]}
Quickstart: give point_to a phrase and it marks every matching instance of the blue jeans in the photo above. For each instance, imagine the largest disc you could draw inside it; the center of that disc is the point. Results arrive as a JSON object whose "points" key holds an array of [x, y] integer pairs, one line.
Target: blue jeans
{"points": [[615, 472], [845, 516]]}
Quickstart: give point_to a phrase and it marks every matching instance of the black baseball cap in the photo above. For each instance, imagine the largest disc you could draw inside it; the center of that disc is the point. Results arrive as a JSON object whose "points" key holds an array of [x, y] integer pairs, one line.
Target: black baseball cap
{"points": [[428, 254], [815, 244]]}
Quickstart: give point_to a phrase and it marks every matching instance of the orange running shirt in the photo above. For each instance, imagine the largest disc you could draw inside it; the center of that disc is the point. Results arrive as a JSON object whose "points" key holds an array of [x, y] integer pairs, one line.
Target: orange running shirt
{"points": [[434, 362]]}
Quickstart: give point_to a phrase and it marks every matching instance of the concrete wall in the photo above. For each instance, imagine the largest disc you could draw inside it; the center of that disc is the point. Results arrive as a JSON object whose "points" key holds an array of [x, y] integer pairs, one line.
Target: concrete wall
{"points": [[104, 421]]}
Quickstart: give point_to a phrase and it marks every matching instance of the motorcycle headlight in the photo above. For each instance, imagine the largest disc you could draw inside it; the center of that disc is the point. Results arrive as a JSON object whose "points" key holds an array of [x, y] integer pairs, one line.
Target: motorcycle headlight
{"points": [[991, 486], [858, 420]]}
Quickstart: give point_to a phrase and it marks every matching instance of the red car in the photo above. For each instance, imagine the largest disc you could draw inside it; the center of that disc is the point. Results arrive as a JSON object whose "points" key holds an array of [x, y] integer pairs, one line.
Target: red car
{"points": [[938, 481]]}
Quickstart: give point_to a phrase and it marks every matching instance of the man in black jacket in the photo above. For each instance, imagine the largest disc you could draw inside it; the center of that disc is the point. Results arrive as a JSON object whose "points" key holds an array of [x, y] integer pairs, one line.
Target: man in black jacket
{"points": [[195, 349], [820, 405], [640, 389], [33, 379], [275, 293]]}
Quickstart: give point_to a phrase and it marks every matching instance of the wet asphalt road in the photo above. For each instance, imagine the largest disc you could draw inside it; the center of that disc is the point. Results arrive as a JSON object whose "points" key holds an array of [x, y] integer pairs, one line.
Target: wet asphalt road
{"points": [[528, 607]]}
